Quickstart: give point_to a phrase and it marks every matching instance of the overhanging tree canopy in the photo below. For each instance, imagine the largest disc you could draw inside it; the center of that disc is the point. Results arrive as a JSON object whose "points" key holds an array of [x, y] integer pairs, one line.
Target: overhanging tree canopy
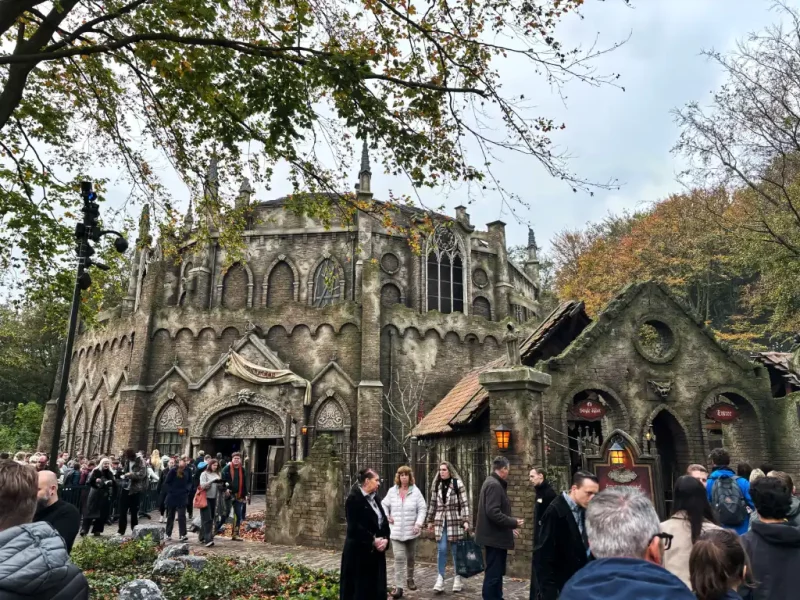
{"points": [[87, 83]]}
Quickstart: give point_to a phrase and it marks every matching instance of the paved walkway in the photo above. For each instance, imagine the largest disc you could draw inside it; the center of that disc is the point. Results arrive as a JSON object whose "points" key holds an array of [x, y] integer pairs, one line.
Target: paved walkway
{"points": [[319, 558]]}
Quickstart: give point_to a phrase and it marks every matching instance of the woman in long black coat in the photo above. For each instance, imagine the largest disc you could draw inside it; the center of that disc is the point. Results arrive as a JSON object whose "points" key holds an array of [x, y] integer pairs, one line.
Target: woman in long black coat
{"points": [[363, 573], [102, 486]]}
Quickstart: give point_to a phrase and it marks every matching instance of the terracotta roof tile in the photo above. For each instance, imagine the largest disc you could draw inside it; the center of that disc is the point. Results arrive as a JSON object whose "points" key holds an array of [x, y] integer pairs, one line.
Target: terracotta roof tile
{"points": [[467, 392]]}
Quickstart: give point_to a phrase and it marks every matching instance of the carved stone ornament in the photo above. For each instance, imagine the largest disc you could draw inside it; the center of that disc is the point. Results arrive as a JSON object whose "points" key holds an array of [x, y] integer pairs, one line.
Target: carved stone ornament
{"points": [[622, 475], [245, 396], [330, 416], [661, 388], [170, 418], [249, 424]]}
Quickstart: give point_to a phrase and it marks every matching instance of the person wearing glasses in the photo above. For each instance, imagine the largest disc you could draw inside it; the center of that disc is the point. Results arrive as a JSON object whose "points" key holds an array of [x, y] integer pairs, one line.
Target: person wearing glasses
{"points": [[626, 540]]}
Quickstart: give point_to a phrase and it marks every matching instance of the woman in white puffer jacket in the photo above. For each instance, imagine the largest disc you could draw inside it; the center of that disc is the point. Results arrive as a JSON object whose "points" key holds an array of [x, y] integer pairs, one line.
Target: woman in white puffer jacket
{"points": [[405, 510]]}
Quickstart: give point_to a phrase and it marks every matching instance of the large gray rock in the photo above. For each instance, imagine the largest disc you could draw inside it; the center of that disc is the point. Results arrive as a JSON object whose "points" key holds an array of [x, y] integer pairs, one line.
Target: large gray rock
{"points": [[254, 525], [174, 551], [154, 531], [117, 539], [168, 567], [195, 562], [140, 589]]}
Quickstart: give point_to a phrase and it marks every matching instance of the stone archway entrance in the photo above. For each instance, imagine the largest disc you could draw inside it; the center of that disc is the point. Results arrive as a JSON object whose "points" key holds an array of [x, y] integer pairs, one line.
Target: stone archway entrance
{"points": [[255, 432], [673, 451]]}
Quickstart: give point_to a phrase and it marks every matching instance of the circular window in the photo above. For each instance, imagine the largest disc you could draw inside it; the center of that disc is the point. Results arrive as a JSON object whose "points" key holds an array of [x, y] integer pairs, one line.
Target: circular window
{"points": [[480, 278], [390, 263], [656, 341]]}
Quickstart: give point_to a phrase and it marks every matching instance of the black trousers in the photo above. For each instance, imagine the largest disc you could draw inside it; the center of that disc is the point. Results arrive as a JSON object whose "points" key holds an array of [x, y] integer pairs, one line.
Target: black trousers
{"points": [[181, 510], [493, 577], [128, 502], [207, 519]]}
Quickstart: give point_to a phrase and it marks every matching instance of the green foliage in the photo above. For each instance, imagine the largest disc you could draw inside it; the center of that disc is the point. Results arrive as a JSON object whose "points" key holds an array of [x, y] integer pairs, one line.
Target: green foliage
{"points": [[23, 432], [121, 82], [108, 567]]}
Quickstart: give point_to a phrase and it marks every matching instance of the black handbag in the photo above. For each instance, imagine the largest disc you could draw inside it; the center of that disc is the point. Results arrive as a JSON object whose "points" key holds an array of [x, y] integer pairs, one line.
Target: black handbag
{"points": [[469, 558]]}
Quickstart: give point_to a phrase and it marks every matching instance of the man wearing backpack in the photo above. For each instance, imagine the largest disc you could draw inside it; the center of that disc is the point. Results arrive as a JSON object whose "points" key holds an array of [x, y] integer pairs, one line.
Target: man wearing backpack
{"points": [[729, 494]]}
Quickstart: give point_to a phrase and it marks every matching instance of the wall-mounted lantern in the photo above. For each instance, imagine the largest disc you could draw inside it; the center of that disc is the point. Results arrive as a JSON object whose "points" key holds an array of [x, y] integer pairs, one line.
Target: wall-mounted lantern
{"points": [[181, 431], [616, 455], [502, 435]]}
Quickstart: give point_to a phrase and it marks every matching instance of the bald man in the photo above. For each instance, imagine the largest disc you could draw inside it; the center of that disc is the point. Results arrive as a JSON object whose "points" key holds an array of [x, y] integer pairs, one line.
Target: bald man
{"points": [[62, 516]]}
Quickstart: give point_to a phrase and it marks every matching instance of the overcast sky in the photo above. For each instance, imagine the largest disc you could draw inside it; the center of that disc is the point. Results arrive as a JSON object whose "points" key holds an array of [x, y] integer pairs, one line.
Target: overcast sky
{"points": [[610, 133]]}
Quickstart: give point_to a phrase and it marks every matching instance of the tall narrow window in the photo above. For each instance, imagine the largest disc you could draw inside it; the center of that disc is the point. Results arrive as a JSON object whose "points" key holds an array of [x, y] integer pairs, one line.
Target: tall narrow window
{"points": [[327, 284], [445, 272]]}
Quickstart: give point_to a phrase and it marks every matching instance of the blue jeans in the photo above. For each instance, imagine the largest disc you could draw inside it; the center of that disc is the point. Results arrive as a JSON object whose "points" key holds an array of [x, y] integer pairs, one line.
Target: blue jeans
{"points": [[441, 546], [238, 516]]}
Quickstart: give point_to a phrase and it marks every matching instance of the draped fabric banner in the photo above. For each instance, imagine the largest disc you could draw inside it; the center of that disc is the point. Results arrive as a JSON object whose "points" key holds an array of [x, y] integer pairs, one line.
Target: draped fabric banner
{"points": [[242, 368]]}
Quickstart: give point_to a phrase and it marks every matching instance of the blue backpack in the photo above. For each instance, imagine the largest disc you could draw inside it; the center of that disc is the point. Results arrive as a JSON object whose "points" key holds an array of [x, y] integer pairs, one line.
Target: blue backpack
{"points": [[728, 500]]}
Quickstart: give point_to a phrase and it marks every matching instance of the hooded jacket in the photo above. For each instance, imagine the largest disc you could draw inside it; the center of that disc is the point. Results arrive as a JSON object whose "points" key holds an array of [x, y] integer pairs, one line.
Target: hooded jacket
{"points": [[744, 486], [34, 564], [774, 551], [624, 579], [793, 517]]}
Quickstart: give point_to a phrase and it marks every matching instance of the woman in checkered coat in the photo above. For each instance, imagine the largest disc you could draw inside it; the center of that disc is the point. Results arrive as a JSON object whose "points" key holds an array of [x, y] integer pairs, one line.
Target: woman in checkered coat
{"points": [[448, 516]]}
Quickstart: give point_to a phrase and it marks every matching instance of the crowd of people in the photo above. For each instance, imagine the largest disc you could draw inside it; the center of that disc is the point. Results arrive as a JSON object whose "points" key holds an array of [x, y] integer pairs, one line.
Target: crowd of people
{"points": [[731, 535], [112, 488]]}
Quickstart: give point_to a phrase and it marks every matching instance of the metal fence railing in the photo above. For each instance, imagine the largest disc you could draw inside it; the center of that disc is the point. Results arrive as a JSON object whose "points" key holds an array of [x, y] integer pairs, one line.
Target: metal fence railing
{"points": [[78, 496]]}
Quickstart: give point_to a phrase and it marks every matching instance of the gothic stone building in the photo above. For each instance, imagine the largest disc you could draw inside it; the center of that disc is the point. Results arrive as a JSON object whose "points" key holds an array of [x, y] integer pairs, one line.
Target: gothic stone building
{"points": [[319, 321]]}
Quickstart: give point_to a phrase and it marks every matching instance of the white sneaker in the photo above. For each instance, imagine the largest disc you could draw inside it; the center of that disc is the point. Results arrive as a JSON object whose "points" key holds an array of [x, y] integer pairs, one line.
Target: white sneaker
{"points": [[439, 585], [457, 584]]}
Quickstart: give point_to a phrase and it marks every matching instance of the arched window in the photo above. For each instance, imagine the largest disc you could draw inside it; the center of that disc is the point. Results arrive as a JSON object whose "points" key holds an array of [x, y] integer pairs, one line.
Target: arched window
{"points": [[482, 308], [445, 272], [168, 441], [328, 284], [96, 434], [77, 438]]}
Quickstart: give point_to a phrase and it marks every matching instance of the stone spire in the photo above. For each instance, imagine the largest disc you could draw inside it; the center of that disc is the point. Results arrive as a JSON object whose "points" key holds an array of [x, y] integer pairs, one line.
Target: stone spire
{"points": [[212, 176], [365, 174], [188, 218], [245, 192], [143, 238], [532, 262]]}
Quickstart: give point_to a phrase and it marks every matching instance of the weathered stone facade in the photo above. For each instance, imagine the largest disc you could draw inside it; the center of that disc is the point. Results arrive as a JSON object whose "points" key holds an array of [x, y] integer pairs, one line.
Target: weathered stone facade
{"points": [[346, 308]]}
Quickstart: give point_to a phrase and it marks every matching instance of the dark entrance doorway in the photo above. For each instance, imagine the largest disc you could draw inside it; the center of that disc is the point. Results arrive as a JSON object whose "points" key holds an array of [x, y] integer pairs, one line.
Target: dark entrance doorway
{"points": [[673, 452], [267, 461], [225, 446]]}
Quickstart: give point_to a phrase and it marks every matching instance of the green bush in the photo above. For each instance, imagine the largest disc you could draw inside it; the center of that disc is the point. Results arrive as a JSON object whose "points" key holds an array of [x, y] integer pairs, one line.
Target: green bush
{"points": [[109, 566]]}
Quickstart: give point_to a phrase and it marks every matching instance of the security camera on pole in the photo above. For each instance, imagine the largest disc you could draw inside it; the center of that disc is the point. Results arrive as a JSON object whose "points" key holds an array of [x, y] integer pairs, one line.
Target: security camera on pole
{"points": [[87, 231]]}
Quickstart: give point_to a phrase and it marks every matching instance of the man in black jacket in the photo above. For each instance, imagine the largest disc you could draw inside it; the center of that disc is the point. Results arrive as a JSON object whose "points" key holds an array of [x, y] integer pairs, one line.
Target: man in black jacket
{"points": [[496, 528], [562, 547], [64, 517], [545, 494], [772, 544], [34, 562]]}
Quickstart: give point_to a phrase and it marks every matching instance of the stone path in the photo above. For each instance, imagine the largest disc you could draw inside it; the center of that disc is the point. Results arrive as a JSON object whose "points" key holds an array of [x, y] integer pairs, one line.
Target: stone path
{"points": [[425, 575], [319, 558]]}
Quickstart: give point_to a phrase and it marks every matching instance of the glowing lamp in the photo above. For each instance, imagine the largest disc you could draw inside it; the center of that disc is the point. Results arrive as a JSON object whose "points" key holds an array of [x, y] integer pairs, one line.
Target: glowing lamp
{"points": [[181, 431], [304, 430], [617, 455], [502, 435]]}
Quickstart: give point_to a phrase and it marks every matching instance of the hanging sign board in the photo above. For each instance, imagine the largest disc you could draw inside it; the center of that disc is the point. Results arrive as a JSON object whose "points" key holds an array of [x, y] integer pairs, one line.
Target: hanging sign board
{"points": [[722, 412], [589, 410]]}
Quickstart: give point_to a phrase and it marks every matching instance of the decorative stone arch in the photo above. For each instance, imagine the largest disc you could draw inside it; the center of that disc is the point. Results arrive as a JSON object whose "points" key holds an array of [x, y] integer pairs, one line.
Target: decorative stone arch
{"points": [[330, 415], [607, 424], [713, 397], [457, 248], [173, 410], [96, 430], [78, 431], [250, 282], [295, 276], [313, 273], [171, 397], [691, 441], [186, 268], [243, 399], [245, 422], [479, 300], [400, 287], [109, 433]]}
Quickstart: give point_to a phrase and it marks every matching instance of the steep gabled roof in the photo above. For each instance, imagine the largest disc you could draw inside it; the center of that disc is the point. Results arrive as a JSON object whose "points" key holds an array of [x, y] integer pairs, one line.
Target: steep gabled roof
{"points": [[604, 321], [467, 392]]}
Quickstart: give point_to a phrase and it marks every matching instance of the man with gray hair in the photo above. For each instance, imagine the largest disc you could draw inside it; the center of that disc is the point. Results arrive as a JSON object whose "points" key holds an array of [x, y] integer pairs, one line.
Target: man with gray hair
{"points": [[626, 540], [496, 528]]}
